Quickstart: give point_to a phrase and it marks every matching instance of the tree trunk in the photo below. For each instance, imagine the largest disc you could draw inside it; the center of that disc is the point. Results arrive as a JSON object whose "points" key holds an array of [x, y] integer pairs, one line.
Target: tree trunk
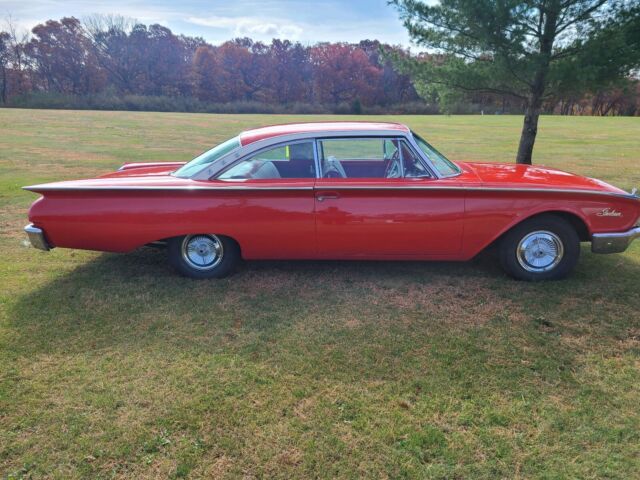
{"points": [[536, 95], [528, 136], [531, 116], [3, 91]]}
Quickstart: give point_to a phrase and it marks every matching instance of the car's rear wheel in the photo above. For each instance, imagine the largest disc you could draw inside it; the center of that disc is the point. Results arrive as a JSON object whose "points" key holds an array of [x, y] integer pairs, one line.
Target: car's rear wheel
{"points": [[542, 248], [203, 255]]}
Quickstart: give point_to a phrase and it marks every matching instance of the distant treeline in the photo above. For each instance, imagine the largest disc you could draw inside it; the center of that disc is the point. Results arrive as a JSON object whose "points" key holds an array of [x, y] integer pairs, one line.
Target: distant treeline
{"points": [[112, 63]]}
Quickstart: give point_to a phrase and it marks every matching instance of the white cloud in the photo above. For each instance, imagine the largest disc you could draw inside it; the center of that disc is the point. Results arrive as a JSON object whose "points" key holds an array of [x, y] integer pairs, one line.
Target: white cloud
{"points": [[251, 26], [216, 22], [26, 15]]}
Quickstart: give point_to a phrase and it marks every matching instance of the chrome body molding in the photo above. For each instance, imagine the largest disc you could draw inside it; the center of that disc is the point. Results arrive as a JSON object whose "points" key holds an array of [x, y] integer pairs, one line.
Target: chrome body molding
{"points": [[614, 242], [328, 186], [37, 188], [37, 238], [233, 186]]}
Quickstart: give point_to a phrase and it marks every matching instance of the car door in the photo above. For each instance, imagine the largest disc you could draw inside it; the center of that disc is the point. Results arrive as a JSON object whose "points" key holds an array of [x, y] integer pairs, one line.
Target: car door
{"points": [[268, 204], [377, 199]]}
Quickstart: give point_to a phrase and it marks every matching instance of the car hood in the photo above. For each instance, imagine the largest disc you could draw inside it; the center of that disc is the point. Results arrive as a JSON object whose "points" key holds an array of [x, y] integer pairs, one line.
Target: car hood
{"points": [[506, 175]]}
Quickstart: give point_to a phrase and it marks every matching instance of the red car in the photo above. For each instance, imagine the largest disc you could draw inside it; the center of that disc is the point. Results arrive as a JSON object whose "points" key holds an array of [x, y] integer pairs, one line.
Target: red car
{"points": [[338, 190]]}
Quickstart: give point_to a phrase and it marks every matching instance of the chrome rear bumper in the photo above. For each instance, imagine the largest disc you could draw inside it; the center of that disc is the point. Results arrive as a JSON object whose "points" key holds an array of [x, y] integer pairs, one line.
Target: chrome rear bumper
{"points": [[613, 242], [37, 238]]}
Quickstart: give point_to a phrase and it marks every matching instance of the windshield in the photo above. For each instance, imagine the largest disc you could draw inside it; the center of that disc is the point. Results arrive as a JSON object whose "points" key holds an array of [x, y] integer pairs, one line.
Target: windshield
{"points": [[207, 158], [445, 167]]}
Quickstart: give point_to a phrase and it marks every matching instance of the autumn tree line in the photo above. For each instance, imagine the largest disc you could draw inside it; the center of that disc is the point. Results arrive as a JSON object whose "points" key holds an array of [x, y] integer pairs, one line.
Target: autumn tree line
{"points": [[109, 62]]}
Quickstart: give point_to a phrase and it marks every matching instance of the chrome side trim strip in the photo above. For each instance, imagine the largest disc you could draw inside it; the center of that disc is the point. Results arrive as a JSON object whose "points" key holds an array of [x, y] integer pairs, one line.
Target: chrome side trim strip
{"points": [[616, 242], [472, 189], [36, 188], [333, 186]]}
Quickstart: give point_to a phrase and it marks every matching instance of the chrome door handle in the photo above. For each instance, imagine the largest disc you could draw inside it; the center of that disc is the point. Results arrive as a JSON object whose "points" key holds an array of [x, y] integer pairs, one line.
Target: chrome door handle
{"points": [[328, 196]]}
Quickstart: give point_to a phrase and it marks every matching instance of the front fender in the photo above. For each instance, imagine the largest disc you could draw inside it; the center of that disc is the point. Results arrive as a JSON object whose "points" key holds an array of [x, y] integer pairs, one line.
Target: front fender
{"points": [[489, 215]]}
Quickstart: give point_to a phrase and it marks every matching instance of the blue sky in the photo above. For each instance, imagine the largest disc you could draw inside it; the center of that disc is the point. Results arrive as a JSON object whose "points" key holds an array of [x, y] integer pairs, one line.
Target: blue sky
{"points": [[216, 20]]}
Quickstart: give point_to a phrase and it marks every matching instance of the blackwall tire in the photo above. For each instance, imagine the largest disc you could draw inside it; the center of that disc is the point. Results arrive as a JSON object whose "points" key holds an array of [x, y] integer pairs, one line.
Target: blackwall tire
{"points": [[546, 247], [203, 255]]}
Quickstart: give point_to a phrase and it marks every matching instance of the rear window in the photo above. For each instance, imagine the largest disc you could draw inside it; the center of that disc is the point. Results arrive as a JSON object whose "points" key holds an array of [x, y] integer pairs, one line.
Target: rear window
{"points": [[207, 158]]}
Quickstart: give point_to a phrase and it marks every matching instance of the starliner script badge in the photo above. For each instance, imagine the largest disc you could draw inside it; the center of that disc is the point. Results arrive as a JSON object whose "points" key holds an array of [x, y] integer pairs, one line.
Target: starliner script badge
{"points": [[607, 212]]}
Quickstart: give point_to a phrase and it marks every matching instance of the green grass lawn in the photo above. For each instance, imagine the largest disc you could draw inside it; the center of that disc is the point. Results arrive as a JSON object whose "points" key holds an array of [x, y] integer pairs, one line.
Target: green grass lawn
{"points": [[112, 366]]}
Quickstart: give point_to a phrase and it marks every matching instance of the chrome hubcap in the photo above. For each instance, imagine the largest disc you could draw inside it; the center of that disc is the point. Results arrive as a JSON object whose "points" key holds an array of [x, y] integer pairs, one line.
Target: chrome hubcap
{"points": [[202, 252], [540, 251]]}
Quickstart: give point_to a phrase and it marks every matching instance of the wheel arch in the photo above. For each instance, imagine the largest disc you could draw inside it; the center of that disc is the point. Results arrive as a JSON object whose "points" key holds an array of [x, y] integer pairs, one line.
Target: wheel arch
{"points": [[576, 221]]}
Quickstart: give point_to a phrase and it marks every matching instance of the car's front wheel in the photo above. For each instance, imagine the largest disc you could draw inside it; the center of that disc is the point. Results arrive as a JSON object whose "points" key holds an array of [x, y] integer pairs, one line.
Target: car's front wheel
{"points": [[203, 255], [542, 248]]}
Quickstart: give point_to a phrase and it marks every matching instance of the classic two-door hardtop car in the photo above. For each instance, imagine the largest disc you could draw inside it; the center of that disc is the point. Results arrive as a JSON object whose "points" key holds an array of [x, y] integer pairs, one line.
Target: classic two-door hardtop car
{"points": [[338, 190]]}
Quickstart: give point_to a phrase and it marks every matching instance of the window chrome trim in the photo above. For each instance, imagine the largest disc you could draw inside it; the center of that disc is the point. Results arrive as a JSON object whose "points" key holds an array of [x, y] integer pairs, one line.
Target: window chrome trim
{"points": [[316, 155], [212, 170], [421, 157], [426, 160], [248, 156], [383, 138], [401, 157], [398, 137]]}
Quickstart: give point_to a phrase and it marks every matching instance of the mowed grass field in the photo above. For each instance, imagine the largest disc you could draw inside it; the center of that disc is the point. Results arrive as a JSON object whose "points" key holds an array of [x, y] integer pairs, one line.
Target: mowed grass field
{"points": [[112, 366]]}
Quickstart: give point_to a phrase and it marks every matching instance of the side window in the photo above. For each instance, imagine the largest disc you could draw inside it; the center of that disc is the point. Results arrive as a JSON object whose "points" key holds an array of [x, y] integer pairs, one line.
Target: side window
{"points": [[360, 158], [412, 165], [295, 160]]}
